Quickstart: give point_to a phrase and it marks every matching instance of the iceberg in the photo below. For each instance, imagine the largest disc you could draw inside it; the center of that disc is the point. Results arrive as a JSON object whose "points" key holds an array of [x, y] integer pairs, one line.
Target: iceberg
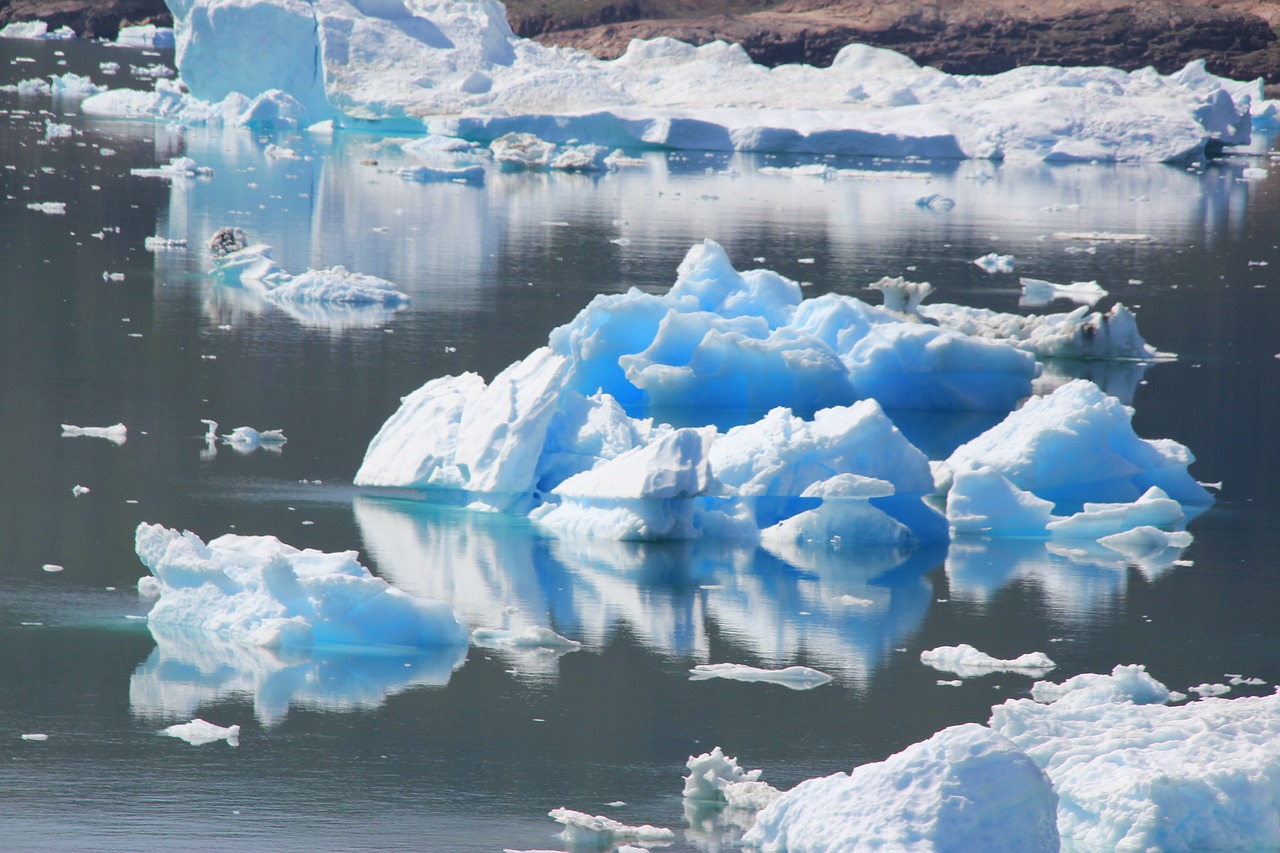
{"points": [[967, 662], [198, 732], [597, 832], [35, 30], [455, 68], [795, 677], [569, 434], [145, 35], [116, 434], [259, 591]]}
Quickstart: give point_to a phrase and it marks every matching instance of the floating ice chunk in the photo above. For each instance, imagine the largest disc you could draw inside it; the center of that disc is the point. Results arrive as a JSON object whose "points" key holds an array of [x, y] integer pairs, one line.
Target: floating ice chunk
{"points": [[259, 591], [1253, 173], [522, 151], [716, 778], [178, 167], [79, 490], [1077, 334], [1134, 774], [994, 263], [116, 434], [1102, 236], [35, 30], [966, 788], [1205, 690], [53, 130], [581, 829], [37, 737], [795, 677], [336, 285], [247, 439], [1076, 445], [533, 638], [935, 201], [154, 70], [199, 732], [163, 244], [52, 568], [1145, 541], [145, 35], [708, 276], [902, 296], [967, 662], [1039, 292], [57, 208]]}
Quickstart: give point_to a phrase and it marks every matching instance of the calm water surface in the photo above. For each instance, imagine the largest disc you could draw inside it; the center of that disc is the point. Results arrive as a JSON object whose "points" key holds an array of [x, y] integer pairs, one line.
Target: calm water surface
{"points": [[446, 753]]}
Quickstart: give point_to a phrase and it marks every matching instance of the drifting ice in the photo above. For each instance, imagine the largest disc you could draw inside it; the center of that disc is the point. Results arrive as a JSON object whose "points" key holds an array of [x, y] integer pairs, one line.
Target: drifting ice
{"points": [[455, 68], [199, 732], [568, 434], [795, 677], [967, 662]]}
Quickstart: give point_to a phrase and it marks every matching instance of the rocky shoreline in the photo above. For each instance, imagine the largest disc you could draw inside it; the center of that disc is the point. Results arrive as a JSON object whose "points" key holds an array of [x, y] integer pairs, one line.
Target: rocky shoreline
{"points": [[1236, 39]]}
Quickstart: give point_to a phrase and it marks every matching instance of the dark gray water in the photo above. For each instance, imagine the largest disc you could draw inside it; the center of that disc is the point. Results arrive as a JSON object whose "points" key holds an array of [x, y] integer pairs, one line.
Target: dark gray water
{"points": [[440, 754]]}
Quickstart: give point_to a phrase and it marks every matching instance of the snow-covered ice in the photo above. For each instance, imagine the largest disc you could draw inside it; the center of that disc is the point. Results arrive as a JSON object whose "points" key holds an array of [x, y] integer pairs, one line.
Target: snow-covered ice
{"points": [[145, 35], [1037, 292], [259, 591], [35, 30], [456, 68]]}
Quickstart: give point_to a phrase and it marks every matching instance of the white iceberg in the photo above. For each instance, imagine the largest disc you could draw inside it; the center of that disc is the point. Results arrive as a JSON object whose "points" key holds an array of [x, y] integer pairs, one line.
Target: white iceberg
{"points": [[145, 35], [1037, 291], [967, 662], [456, 68], [994, 262], [259, 591], [246, 439], [716, 778], [533, 638]]}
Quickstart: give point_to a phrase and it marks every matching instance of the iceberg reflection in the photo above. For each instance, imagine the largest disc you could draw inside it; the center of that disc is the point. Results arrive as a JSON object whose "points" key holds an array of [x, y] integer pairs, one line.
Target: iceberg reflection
{"points": [[189, 670], [842, 611]]}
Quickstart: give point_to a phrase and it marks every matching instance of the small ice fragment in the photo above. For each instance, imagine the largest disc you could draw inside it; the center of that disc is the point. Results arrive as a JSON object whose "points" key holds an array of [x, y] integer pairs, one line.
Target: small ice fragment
{"points": [[953, 683], [534, 637], [199, 732], [581, 829], [935, 201], [39, 737], [57, 208], [994, 263], [1204, 690], [247, 439], [1037, 292], [616, 804], [1237, 680], [51, 568], [852, 601], [621, 241], [162, 244], [116, 434], [795, 677], [1253, 173], [966, 661], [112, 276], [79, 490]]}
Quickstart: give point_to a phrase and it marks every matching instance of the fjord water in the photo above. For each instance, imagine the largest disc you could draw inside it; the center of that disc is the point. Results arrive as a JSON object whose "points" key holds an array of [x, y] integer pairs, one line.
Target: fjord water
{"points": [[446, 752]]}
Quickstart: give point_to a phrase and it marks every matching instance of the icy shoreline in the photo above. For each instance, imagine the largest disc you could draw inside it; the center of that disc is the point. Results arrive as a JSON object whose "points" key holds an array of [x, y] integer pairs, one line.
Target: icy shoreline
{"points": [[456, 69]]}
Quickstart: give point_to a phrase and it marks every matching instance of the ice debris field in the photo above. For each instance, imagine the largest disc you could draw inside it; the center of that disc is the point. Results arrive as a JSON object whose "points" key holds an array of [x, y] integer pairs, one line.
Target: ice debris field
{"points": [[456, 69], [576, 435]]}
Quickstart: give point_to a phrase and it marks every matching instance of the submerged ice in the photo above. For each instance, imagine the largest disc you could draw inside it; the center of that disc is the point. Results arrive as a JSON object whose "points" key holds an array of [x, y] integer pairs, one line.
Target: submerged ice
{"points": [[572, 434], [456, 68]]}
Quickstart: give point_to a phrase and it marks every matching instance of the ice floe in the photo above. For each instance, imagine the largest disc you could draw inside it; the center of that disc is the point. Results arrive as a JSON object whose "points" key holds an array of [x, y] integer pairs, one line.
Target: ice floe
{"points": [[716, 778], [967, 662], [456, 69], [35, 30], [795, 677], [145, 35], [199, 732], [116, 433], [599, 832]]}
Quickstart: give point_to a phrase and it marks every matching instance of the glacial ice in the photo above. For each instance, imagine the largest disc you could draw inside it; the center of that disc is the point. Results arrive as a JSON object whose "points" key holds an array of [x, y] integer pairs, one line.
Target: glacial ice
{"points": [[716, 778], [116, 433], [456, 69], [569, 435], [35, 30], [145, 35], [259, 591], [599, 832]]}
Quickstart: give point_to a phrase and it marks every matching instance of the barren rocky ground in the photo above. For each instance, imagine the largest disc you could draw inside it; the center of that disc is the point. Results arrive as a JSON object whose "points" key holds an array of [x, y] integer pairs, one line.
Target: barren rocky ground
{"points": [[1237, 38]]}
